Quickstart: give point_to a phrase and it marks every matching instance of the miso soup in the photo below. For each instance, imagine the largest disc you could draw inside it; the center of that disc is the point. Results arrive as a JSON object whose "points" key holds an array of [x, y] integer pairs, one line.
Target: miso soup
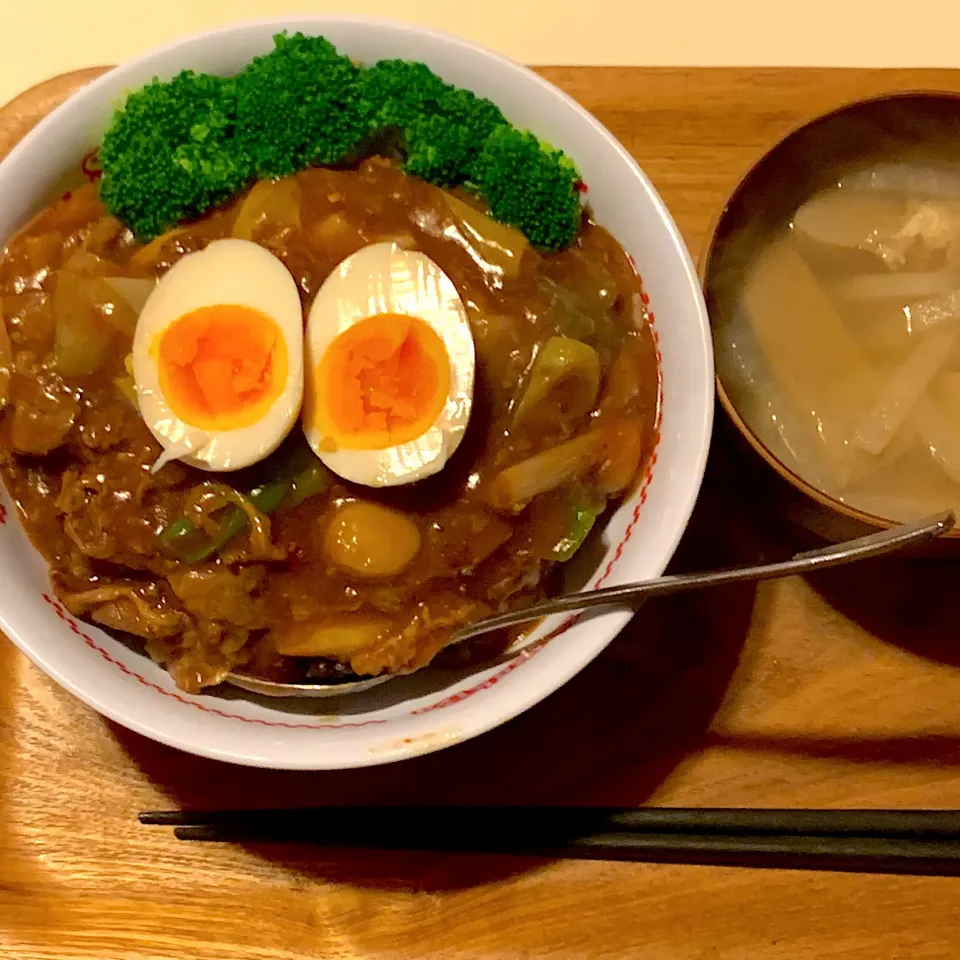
{"points": [[841, 346]]}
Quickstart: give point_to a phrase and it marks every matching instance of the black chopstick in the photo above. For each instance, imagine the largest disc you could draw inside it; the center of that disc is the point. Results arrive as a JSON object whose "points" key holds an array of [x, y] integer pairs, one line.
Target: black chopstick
{"points": [[923, 842], [914, 823]]}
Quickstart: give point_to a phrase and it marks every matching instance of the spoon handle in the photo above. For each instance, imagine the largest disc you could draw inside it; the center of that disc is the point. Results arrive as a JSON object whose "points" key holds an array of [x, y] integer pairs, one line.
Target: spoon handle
{"points": [[629, 594]]}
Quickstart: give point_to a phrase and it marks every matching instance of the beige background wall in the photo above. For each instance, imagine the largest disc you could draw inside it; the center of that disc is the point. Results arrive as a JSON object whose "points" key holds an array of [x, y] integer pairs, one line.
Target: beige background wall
{"points": [[41, 37]]}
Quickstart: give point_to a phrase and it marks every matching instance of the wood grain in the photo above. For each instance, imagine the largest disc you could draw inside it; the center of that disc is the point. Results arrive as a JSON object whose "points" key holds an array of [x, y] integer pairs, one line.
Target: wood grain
{"points": [[837, 691]]}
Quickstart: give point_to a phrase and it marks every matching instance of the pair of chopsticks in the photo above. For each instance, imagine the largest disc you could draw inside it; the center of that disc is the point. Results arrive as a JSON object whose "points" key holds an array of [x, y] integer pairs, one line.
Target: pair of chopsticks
{"points": [[920, 842]]}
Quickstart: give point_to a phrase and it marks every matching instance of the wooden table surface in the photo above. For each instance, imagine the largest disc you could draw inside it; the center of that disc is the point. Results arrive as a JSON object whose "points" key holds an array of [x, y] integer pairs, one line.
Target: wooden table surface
{"points": [[840, 691]]}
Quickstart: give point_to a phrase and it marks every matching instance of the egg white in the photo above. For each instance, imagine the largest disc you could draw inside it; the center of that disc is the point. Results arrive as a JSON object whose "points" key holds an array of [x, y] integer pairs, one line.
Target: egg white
{"points": [[385, 278], [226, 272]]}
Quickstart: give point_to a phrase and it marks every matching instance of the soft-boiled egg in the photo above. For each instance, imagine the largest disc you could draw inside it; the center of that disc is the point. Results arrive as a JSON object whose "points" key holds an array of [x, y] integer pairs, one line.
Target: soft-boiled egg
{"points": [[390, 368], [218, 357]]}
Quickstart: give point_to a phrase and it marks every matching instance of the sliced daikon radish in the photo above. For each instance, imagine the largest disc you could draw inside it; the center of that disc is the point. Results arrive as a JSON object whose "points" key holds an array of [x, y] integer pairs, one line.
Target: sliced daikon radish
{"points": [[760, 400], [896, 286], [889, 331], [946, 391], [883, 329], [937, 418], [902, 390], [927, 313], [909, 487], [810, 352], [843, 222], [909, 179], [939, 434], [788, 432], [899, 228]]}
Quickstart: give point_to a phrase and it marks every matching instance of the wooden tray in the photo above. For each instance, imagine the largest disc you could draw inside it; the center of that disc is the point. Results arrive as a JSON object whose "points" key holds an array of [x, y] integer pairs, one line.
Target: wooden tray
{"points": [[838, 691]]}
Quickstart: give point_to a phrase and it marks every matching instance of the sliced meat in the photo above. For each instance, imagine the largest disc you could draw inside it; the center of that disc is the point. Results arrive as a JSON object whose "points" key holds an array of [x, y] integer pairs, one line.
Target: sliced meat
{"points": [[41, 411], [142, 609], [218, 593]]}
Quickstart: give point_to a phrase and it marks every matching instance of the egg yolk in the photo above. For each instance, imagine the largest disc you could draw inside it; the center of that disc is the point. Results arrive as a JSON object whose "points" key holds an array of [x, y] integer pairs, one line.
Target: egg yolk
{"points": [[222, 366], [382, 382]]}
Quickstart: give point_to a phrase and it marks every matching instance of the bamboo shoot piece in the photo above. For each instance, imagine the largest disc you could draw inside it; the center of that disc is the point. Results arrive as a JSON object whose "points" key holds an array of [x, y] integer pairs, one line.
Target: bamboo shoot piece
{"points": [[489, 243], [338, 639]]}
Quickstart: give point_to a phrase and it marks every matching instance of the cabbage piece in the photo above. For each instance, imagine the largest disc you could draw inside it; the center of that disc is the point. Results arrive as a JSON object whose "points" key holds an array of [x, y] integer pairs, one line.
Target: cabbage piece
{"points": [[560, 522], [568, 312], [272, 203], [494, 247], [593, 285], [584, 512], [564, 381]]}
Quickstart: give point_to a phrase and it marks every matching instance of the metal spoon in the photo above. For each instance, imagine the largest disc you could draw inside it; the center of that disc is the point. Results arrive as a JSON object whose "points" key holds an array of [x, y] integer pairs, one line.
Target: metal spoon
{"points": [[631, 594]]}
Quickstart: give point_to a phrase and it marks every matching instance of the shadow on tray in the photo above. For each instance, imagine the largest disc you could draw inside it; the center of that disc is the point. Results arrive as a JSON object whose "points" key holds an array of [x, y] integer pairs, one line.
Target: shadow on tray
{"points": [[609, 737], [909, 603], [906, 601]]}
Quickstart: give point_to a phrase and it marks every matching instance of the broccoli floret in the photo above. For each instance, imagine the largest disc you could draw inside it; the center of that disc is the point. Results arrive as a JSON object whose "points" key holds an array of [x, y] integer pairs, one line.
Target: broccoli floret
{"points": [[180, 147], [443, 147], [531, 186], [477, 115], [397, 93], [438, 151], [298, 106], [438, 127], [168, 155]]}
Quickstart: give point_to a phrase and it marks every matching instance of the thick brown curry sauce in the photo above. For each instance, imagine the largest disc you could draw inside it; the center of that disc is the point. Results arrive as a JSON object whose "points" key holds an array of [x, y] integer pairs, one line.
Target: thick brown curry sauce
{"points": [[76, 455]]}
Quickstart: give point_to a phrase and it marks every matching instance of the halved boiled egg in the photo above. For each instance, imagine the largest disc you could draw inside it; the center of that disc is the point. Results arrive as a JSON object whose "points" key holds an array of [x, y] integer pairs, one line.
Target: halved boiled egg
{"points": [[390, 368], [218, 357]]}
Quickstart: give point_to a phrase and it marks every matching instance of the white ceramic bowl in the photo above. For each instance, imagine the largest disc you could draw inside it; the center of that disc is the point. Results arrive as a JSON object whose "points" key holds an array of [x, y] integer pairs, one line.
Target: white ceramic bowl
{"points": [[413, 715]]}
